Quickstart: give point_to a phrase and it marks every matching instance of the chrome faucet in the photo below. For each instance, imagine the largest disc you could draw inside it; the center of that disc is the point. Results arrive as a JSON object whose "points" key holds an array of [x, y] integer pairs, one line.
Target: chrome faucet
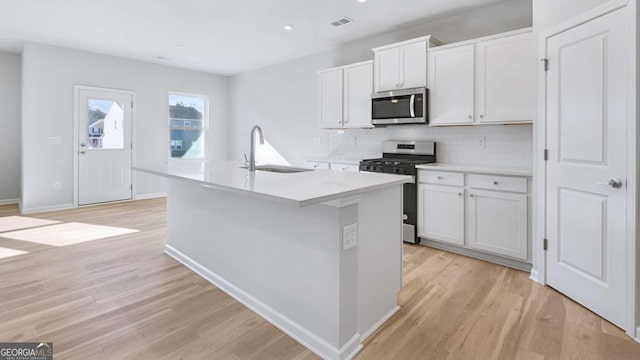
{"points": [[252, 154]]}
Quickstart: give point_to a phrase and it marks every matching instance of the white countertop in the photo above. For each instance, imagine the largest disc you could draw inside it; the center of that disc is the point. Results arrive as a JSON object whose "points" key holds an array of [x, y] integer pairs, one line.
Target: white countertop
{"points": [[515, 171], [302, 189]]}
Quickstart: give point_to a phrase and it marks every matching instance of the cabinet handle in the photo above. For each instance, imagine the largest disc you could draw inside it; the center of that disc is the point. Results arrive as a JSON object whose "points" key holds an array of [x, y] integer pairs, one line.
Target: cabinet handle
{"points": [[495, 183], [481, 116], [470, 195], [459, 194], [470, 116], [439, 177]]}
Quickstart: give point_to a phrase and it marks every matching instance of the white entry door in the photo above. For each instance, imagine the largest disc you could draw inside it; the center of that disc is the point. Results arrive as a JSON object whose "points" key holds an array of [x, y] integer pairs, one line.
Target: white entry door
{"points": [[104, 145], [586, 170]]}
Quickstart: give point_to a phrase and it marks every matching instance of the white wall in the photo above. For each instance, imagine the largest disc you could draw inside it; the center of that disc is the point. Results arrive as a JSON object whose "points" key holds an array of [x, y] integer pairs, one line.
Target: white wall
{"points": [[49, 74], [9, 127], [283, 98], [547, 13]]}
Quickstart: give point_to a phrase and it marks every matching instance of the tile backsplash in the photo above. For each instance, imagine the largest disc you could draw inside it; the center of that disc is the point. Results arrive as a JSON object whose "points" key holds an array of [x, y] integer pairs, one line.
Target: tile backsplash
{"points": [[490, 145]]}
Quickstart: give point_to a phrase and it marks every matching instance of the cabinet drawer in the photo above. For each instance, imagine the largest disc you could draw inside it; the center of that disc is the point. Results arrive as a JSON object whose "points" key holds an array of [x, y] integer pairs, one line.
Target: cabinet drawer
{"points": [[345, 167], [318, 165], [441, 178], [504, 183]]}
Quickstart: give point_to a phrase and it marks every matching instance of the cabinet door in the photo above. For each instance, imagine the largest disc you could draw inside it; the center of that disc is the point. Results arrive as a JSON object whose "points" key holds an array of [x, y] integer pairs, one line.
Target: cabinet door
{"points": [[358, 86], [451, 79], [331, 99], [345, 167], [387, 67], [441, 213], [505, 86], [498, 223], [317, 165], [414, 65]]}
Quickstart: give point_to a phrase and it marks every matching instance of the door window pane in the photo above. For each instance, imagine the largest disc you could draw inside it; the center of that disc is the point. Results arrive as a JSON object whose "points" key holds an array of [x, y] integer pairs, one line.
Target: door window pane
{"points": [[187, 126], [105, 124]]}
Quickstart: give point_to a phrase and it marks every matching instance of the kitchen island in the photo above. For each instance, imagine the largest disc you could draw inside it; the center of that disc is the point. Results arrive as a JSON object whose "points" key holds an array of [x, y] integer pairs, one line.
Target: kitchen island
{"points": [[316, 253]]}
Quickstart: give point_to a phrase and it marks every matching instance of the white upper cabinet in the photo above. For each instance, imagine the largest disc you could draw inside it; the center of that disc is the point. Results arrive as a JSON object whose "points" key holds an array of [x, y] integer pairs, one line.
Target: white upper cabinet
{"points": [[345, 96], [358, 86], [505, 87], [402, 65], [451, 79], [387, 70], [330, 98], [483, 81]]}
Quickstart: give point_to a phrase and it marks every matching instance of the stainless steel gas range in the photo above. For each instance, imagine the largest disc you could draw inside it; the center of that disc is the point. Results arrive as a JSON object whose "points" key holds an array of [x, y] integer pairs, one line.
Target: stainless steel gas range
{"points": [[401, 157]]}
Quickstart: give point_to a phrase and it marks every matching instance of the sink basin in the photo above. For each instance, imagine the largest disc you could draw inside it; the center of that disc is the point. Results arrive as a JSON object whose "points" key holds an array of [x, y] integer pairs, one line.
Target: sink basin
{"points": [[279, 169]]}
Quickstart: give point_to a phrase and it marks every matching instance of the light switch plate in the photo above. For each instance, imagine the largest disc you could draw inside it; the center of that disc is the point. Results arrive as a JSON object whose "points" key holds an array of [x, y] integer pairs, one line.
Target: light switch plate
{"points": [[349, 236]]}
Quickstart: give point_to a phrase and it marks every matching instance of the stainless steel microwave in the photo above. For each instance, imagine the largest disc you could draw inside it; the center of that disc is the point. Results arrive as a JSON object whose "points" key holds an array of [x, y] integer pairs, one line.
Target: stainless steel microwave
{"points": [[408, 106]]}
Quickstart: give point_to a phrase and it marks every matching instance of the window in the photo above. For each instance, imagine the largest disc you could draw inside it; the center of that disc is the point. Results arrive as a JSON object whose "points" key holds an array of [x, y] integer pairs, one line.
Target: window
{"points": [[188, 122], [106, 124]]}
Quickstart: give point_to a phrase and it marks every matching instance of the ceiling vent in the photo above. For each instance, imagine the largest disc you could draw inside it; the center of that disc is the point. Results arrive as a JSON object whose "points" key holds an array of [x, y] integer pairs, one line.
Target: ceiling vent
{"points": [[343, 21]]}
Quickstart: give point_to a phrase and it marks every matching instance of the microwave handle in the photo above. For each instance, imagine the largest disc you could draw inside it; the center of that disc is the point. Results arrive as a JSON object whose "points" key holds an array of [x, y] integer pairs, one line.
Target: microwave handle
{"points": [[412, 101]]}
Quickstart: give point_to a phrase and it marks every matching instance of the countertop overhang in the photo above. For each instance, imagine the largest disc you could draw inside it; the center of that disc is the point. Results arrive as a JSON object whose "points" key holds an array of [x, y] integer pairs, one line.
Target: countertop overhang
{"points": [[300, 189]]}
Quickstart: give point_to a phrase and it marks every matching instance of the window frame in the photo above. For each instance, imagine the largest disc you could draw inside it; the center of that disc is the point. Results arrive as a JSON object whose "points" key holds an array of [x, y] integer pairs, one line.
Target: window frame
{"points": [[204, 129]]}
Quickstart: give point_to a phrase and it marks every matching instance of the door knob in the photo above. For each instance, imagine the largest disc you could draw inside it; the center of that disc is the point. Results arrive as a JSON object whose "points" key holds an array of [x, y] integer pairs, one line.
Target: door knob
{"points": [[82, 152], [614, 183], [83, 144]]}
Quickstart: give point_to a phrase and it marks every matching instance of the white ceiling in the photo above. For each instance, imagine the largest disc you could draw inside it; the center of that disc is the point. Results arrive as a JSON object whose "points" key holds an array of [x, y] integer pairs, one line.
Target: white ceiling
{"points": [[219, 36]]}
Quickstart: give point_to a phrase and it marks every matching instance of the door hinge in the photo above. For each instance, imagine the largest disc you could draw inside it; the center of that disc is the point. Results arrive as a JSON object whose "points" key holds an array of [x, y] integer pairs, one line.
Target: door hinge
{"points": [[545, 63], [545, 244], [132, 105], [546, 154], [131, 187]]}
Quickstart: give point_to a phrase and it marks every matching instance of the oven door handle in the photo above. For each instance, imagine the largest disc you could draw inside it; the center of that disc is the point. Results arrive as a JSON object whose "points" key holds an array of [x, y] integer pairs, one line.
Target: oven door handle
{"points": [[412, 106]]}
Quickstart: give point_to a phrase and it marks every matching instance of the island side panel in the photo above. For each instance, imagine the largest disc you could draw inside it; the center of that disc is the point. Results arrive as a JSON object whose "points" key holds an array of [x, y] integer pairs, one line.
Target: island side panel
{"points": [[380, 257], [286, 257]]}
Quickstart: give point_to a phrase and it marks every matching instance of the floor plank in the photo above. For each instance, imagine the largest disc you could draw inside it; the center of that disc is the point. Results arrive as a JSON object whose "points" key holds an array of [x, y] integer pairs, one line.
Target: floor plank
{"points": [[121, 298]]}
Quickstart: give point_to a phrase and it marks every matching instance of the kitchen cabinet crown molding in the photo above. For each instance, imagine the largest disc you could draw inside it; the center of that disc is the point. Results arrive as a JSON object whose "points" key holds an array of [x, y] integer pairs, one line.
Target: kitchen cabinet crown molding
{"points": [[428, 38], [482, 39], [342, 67]]}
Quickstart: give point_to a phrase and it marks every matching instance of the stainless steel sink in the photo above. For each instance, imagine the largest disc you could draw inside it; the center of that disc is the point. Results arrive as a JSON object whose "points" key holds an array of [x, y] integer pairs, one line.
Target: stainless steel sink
{"points": [[279, 169]]}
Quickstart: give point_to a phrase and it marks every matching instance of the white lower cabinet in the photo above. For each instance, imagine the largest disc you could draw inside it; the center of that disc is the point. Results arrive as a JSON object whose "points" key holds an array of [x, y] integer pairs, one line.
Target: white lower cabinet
{"points": [[444, 221], [476, 213], [497, 222]]}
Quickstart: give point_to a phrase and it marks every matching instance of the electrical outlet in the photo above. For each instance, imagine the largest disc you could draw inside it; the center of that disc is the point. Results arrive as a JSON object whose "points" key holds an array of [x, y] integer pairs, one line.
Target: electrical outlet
{"points": [[316, 141], [57, 186], [349, 236], [481, 143]]}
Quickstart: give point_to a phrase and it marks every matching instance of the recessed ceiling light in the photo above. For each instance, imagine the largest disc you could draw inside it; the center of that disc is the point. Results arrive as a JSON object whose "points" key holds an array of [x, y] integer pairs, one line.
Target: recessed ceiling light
{"points": [[163, 58], [362, 1], [181, 47], [287, 27]]}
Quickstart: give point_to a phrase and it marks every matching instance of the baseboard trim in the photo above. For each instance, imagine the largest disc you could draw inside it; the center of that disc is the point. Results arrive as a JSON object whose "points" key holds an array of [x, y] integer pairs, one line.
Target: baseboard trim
{"points": [[515, 264], [150, 196], [9, 201], [534, 276], [305, 337], [637, 335], [46, 208], [379, 324]]}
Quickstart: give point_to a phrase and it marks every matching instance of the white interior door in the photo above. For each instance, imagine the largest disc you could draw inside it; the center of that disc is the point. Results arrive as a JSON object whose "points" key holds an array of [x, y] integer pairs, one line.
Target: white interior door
{"points": [[586, 170], [104, 146]]}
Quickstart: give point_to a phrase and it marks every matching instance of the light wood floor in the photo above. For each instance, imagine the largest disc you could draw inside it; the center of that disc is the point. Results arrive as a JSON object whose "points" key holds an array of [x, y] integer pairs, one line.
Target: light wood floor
{"points": [[122, 298]]}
